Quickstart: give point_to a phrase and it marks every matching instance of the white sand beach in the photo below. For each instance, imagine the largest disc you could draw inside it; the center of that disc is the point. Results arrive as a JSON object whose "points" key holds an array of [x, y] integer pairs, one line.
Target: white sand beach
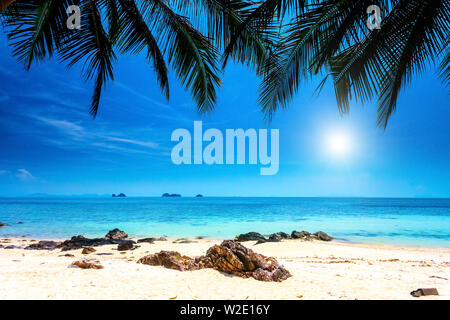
{"points": [[320, 270]]}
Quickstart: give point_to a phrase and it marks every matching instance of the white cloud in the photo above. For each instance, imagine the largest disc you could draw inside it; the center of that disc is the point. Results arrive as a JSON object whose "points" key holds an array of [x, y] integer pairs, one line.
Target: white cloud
{"points": [[152, 145], [77, 136], [24, 175]]}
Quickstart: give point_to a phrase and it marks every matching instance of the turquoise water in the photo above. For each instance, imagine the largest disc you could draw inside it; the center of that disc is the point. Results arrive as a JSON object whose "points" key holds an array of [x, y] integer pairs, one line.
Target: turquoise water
{"points": [[368, 220]]}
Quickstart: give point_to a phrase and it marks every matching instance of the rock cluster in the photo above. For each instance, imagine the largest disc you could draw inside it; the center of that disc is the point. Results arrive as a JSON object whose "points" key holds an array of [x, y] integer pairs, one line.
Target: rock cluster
{"points": [[78, 242], [305, 235], [229, 257], [44, 245], [278, 236], [151, 240], [114, 236]]}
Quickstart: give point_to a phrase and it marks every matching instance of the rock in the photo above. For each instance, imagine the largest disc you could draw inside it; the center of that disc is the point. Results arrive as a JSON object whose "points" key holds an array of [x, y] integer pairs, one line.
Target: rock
{"points": [[183, 240], [199, 196], [20, 222], [279, 236], [229, 257], [88, 250], [116, 234], [124, 246], [320, 235], [87, 263], [13, 247], [3, 224], [43, 245], [425, 292], [233, 258], [267, 240], [170, 260], [67, 255], [300, 235], [149, 240], [171, 195], [250, 236], [120, 195], [78, 242]]}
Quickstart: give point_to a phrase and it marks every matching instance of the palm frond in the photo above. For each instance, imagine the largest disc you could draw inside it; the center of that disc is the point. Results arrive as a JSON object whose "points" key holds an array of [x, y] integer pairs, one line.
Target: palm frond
{"points": [[91, 45], [190, 53], [35, 28], [135, 35]]}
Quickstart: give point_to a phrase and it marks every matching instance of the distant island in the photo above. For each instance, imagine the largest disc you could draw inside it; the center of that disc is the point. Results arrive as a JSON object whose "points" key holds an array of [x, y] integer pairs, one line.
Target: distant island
{"points": [[171, 195], [120, 195], [199, 196]]}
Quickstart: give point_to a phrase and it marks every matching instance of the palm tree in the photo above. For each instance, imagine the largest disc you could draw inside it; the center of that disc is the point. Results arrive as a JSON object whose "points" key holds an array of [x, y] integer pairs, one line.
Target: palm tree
{"points": [[37, 30], [331, 37]]}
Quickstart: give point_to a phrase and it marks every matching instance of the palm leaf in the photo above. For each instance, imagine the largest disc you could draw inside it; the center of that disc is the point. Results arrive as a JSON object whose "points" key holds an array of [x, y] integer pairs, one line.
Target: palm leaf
{"points": [[91, 45]]}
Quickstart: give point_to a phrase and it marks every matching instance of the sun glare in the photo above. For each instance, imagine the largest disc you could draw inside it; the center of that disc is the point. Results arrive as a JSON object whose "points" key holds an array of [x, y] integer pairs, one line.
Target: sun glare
{"points": [[338, 144]]}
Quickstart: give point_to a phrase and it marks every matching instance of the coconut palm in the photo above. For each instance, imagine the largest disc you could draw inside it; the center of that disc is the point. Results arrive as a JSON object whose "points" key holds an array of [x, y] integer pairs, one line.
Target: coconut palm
{"points": [[187, 35], [331, 37]]}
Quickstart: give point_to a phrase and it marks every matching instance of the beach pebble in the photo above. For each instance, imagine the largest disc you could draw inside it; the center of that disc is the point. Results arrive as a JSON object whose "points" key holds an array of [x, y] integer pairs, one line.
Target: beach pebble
{"points": [[87, 263]]}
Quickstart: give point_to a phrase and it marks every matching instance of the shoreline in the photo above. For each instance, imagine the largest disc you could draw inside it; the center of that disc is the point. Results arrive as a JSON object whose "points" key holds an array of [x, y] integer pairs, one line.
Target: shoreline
{"points": [[217, 239], [320, 270]]}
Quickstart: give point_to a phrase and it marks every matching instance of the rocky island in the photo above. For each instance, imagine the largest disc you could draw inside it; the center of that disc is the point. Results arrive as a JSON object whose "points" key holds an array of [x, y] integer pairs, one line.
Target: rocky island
{"points": [[120, 195], [171, 195]]}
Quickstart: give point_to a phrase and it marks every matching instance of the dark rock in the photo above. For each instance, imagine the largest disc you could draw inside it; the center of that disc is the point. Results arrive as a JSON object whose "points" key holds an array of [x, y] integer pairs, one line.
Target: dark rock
{"points": [[124, 246], [279, 236], [88, 250], [199, 196], [116, 234], [87, 263], [233, 258], [171, 195], [120, 195], [229, 257], [183, 240], [3, 224], [267, 240], [149, 240], [78, 242], [425, 292], [20, 222], [170, 260], [44, 245], [13, 247], [250, 236], [67, 255], [300, 235], [320, 235]]}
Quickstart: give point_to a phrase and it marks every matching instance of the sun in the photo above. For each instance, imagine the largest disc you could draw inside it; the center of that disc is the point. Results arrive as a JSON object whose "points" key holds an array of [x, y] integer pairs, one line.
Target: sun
{"points": [[339, 144]]}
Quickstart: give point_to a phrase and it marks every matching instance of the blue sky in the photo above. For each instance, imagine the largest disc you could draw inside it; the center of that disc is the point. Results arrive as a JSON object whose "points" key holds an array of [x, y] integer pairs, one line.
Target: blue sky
{"points": [[49, 143]]}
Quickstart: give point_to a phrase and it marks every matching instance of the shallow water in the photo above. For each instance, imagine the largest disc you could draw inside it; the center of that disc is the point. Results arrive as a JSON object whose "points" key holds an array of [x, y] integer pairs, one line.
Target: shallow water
{"points": [[367, 220]]}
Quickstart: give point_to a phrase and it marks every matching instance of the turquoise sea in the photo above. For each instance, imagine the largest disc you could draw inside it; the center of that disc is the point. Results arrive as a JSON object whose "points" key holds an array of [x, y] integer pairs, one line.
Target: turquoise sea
{"points": [[367, 220]]}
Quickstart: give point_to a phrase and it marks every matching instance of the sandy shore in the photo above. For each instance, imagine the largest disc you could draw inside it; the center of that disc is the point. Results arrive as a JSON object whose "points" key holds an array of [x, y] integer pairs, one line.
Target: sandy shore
{"points": [[320, 270]]}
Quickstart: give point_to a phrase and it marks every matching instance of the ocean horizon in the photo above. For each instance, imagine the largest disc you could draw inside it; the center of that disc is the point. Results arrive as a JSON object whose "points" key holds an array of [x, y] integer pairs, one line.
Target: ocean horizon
{"points": [[394, 221]]}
